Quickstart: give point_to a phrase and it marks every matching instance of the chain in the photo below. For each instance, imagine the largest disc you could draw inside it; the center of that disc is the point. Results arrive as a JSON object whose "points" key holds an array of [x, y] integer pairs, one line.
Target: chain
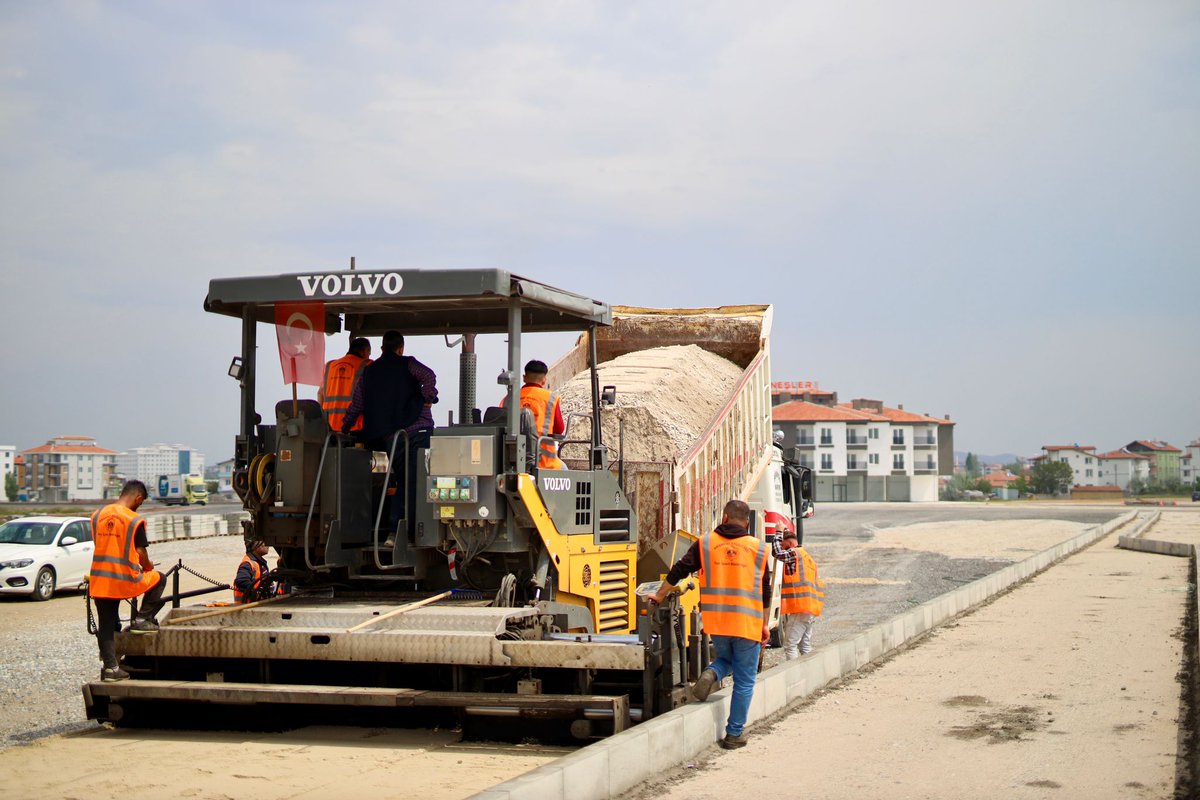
{"points": [[186, 568]]}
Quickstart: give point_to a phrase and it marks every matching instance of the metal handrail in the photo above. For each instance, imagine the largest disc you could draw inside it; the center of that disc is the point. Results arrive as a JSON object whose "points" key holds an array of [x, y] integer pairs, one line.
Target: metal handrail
{"points": [[313, 503], [379, 514]]}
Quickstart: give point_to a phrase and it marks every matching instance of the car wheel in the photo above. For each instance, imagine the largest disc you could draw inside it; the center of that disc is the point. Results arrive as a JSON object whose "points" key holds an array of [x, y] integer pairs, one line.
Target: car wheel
{"points": [[43, 584]]}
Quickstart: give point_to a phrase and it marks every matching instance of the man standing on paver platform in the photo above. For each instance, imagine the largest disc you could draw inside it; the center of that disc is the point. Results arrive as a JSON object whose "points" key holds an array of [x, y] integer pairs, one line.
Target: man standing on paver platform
{"points": [[734, 591]]}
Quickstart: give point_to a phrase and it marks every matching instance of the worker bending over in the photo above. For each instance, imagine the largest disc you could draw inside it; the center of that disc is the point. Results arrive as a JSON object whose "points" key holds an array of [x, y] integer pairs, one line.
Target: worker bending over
{"points": [[547, 412], [122, 570], [802, 594], [734, 591], [337, 387]]}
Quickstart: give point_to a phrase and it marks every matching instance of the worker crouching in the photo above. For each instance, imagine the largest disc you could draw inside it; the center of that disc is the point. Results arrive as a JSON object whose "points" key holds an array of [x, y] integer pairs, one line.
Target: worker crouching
{"points": [[253, 581]]}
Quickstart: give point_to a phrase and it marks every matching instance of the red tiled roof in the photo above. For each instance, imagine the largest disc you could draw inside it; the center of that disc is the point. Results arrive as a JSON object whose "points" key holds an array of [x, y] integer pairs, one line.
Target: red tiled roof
{"points": [[999, 478], [69, 448], [1055, 447], [78, 438], [900, 415], [1160, 446], [801, 411], [1122, 454]]}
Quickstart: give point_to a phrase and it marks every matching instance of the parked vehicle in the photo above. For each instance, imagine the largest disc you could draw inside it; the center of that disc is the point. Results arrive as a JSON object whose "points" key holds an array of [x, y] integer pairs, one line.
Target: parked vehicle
{"points": [[182, 490], [40, 555], [1195, 496]]}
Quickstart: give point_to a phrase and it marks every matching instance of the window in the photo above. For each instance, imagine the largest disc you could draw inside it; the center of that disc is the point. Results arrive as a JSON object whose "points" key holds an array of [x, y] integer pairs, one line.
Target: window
{"points": [[873, 433], [80, 530], [873, 458], [898, 437], [897, 460], [826, 460], [1089, 473], [826, 436]]}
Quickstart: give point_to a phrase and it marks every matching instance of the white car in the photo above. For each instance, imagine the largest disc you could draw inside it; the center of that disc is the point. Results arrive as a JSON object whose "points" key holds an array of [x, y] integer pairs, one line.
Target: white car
{"points": [[39, 555]]}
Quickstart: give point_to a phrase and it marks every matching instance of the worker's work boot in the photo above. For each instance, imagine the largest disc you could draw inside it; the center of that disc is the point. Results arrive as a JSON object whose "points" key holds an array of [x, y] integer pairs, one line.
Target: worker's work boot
{"points": [[731, 742], [113, 674], [703, 686], [144, 626]]}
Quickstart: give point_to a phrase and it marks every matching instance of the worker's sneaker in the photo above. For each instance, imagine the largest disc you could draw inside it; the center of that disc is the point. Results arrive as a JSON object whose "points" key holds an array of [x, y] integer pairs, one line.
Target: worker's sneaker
{"points": [[143, 626], [113, 674], [703, 686], [731, 742]]}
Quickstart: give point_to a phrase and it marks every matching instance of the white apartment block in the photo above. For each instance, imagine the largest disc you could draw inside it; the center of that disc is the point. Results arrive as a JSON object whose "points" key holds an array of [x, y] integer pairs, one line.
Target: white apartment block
{"points": [[1083, 460], [1120, 468], [1189, 464], [67, 468], [146, 464], [8, 454], [864, 450]]}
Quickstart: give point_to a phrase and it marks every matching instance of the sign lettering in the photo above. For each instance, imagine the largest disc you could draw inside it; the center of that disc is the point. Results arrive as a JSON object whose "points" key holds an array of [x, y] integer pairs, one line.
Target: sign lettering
{"points": [[367, 284], [556, 484]]}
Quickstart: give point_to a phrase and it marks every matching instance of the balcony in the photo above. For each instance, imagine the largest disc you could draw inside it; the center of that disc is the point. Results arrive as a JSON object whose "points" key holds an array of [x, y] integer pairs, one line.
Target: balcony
{"points": [[925, 468], [856, 465], [856, 442], [805, 441], [925, 442], [826, 441]]}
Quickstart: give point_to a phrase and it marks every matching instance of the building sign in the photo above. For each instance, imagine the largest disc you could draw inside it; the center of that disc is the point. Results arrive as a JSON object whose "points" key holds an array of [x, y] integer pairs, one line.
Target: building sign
{"points": [[795, 386]]}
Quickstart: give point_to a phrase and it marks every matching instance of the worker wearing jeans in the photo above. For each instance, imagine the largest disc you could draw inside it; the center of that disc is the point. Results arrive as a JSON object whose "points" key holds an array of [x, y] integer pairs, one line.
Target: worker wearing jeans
{"points": [[734, 590]]}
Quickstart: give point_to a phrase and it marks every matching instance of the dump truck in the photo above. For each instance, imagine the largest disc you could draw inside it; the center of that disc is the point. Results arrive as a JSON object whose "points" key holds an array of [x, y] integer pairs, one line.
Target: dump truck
{"points": [[504, 589]]}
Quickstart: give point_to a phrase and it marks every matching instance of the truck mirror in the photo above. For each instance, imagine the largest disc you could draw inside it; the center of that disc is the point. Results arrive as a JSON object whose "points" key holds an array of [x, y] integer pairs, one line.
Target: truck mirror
{"points": [[806, 484], [608, 396]]}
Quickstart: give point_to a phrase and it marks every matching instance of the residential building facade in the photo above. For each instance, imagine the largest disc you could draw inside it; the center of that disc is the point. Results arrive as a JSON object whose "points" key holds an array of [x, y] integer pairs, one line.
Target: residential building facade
{"points": [[67, 468], [1120, 468], [1083, 461], [1164, 459], [865, 451], [146, 464], [1189, 464], [222, 473], [8, 466]]}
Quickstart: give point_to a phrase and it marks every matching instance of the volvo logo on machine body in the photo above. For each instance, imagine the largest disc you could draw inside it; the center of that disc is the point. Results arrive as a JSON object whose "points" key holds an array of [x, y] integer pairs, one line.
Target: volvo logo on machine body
{"points": [[364, 284], [556, 484]]}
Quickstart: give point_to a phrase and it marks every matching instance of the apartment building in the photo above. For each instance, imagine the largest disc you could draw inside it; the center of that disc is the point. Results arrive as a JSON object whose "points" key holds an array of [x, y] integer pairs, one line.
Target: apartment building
{"points": [[1164, 459], [1083, 461], [1189, 464], [146, 464], [67, 468], [864, 450], [1120, 468], [222, 473], [8, 458]]}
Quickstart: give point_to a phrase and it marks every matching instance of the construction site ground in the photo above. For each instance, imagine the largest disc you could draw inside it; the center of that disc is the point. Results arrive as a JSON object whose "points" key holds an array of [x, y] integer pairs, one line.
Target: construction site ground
{"points": [[1065, 686]]}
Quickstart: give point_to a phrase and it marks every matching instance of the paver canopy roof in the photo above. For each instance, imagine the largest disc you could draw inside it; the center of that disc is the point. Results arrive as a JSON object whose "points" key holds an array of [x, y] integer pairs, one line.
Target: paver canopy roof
{"points": [[414, 302]]}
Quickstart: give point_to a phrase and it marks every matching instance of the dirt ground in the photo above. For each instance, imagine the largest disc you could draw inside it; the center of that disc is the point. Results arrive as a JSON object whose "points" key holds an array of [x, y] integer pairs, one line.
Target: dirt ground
{"points": [[1064, 687]]}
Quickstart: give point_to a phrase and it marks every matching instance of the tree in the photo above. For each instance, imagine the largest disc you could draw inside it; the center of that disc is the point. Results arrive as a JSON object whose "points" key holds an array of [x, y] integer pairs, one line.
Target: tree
{"points": [[972, 465], [1021, 485], [10, 486], [982, 485], [1052, 477], [1137, 486], [1016, 468]]}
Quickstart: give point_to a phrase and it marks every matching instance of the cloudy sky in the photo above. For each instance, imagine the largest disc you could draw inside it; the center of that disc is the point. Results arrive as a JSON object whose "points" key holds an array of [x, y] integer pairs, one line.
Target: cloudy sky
{"points": [[990, 210]]}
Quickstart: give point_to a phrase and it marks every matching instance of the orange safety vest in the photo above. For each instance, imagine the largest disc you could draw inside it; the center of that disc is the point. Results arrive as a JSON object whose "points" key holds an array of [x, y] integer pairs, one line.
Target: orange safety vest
{"points": [[731, 575], [337, 389], [116, 572], [256, 571], [802, 592], [542, 402]]}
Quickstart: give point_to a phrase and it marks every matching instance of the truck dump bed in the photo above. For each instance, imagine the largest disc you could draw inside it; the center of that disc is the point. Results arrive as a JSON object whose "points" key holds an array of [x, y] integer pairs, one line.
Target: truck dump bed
{"points": [[685, 481]]}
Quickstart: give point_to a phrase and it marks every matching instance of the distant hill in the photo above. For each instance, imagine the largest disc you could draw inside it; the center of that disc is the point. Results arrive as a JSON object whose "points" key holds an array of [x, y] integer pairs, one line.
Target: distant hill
{"points": [[960, 457]]}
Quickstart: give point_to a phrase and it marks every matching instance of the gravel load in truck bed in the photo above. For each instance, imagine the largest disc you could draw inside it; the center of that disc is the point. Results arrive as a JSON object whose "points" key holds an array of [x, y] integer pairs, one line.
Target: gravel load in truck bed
{"points": [[666, 395]]}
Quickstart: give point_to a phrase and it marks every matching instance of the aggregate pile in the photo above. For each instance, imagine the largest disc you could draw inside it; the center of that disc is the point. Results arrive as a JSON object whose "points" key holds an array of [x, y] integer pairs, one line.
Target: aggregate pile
{"points": [[666, 395]]}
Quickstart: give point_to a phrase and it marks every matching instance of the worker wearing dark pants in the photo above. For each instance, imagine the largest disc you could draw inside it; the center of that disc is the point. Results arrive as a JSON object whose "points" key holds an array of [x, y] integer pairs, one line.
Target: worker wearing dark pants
{"points": [[119, 533], [396, 394]]}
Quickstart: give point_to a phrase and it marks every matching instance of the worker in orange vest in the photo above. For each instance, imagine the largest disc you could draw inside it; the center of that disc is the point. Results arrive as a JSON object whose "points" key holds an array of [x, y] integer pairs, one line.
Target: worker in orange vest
{"points": [[734, 591], [248, 586], [337, 387], [802, 595], [547, 412], [122, 570]]}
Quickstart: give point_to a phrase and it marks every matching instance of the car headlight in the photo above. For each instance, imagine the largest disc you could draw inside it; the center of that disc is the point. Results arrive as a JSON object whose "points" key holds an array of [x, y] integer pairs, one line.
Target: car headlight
{"points": [[17, 564]]}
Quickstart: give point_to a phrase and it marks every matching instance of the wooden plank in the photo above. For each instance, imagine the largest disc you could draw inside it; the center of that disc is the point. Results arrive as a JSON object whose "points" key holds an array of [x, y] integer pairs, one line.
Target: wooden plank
{"points": [[397, 611], [230, 609]]}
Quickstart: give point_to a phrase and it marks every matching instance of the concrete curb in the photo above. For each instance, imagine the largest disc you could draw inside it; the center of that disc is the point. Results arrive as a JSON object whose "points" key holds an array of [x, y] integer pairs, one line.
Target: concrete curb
{"points": [[619, 763], [1135, 540]]}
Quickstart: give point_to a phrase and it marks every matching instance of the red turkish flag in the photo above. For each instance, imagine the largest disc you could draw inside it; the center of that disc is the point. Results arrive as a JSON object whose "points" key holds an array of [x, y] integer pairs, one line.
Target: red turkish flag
{"points": [[300, 329]]}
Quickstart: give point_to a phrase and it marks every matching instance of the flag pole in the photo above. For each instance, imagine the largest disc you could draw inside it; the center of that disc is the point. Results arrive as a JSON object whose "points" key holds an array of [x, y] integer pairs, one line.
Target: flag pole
{"points": [[295, 402]]}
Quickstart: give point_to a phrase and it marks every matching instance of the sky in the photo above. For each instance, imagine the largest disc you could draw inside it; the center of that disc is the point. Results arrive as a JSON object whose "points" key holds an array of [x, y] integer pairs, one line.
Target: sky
{"points": [[989, 210]]}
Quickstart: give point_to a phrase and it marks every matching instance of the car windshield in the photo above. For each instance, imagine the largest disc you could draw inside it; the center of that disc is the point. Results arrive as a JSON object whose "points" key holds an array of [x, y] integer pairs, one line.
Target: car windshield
{"points": [[19, 532]]}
